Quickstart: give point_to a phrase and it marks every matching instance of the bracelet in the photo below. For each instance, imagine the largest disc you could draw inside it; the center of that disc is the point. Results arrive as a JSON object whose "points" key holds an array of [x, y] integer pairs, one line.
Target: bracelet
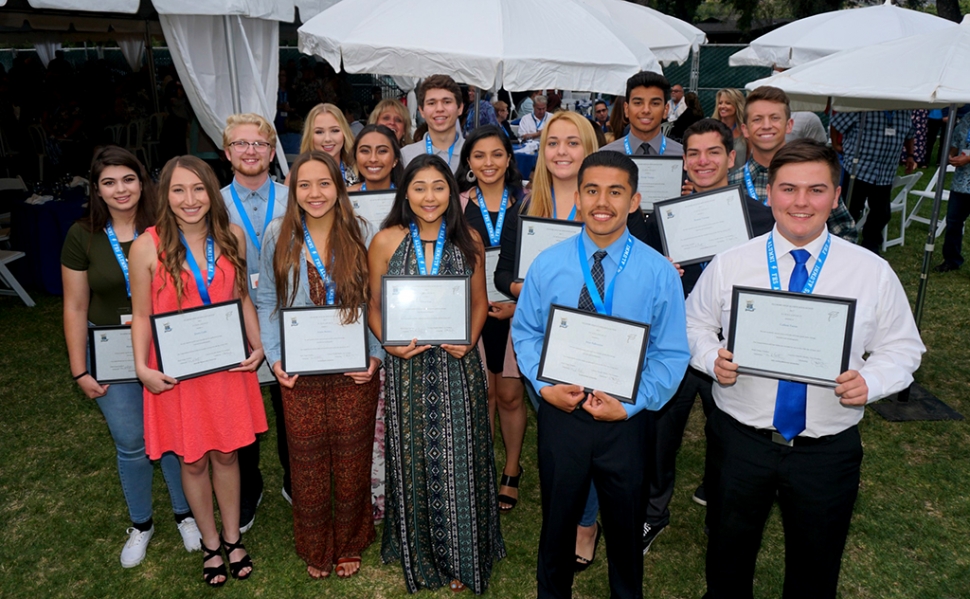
{"points": [[82, 375]]}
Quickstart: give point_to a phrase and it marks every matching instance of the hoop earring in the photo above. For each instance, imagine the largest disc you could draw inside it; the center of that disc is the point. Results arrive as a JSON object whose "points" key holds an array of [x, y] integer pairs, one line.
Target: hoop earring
{"points": [[470, 176]]}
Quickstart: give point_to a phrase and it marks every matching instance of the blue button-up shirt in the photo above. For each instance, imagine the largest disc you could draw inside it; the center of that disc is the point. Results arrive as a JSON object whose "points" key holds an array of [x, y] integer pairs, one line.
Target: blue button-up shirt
{"points": [[255, 204], [647, 291]]}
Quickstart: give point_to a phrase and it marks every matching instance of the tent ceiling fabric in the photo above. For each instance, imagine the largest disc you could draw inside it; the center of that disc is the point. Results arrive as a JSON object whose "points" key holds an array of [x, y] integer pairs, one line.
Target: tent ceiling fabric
{"points": [[390, 37], [920, 71], [40, 22], [271, 10], [123, 6], [820, 35]]}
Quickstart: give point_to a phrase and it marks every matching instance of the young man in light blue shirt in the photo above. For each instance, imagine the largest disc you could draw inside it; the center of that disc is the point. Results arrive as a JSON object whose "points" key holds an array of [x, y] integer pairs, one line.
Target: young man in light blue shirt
{"points": [[583, 436]]}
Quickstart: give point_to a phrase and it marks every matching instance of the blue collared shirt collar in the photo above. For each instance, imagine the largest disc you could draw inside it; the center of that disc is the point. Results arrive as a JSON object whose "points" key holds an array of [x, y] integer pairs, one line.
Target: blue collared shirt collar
{"points": [[244, 192], [613, 251]]}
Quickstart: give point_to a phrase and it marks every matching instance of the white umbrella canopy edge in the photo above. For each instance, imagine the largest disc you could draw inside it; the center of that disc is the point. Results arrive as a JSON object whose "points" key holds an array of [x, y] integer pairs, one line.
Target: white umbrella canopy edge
{"points": [[814, 37]]}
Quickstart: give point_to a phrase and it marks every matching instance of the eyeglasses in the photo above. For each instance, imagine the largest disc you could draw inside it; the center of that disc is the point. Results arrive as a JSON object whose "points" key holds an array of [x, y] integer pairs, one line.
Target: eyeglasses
{"points": [[260, 146]]}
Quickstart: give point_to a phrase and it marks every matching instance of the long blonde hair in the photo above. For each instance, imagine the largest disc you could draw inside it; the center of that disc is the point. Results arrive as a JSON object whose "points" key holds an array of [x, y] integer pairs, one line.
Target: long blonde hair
{"points": [[540, 203], [346, 256], [306, 144], [171, 252], [400, 109], [736, 99]]}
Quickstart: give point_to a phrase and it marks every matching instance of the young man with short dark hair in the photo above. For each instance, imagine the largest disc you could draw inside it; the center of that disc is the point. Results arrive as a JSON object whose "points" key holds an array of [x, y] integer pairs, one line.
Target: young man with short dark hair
{"points": [[647, 94], [440, 103], [584, 437]]}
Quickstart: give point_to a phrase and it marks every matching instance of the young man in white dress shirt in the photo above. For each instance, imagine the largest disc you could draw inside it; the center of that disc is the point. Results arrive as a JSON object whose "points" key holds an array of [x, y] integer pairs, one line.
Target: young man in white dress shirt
{"points": [[769, 439]]}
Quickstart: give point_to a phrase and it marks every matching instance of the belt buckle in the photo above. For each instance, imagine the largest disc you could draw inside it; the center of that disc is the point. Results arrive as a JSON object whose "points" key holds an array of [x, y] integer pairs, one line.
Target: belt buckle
{"points": [[777, 438]]}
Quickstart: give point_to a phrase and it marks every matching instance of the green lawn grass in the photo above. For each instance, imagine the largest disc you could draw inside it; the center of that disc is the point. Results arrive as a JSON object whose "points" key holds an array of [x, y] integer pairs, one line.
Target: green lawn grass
{"points": [[63, 517]]}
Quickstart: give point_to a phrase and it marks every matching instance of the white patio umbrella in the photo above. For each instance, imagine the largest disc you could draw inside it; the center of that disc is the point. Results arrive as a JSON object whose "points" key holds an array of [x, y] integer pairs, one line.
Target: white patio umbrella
{"points": [[582, 45], [820, 35], [923, 71]]}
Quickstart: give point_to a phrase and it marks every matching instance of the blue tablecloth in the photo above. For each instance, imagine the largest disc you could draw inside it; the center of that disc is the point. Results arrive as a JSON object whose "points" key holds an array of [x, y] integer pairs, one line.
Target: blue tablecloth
{"points": [[39, 232], [525, 162]]}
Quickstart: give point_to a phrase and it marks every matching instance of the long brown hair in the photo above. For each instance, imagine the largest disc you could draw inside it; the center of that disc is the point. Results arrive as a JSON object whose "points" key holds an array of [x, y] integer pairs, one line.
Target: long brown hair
{"points": [[99, 215], [346, 252], [171, 252]]}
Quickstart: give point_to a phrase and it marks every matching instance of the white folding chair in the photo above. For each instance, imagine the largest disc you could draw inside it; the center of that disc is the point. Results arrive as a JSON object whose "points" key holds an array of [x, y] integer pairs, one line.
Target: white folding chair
{"points": [[8, 184], [898, 204], [6, 277], [929, 193]]}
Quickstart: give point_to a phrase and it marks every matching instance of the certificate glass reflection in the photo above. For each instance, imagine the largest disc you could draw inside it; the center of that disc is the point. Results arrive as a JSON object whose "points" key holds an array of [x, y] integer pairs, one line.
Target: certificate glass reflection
{"points": [[112, 357], [598, 352], [537, 234], [432, 309], [200, 340], [697, 227], [791, 336], [314, 340], [660, 178], [373, 207]]}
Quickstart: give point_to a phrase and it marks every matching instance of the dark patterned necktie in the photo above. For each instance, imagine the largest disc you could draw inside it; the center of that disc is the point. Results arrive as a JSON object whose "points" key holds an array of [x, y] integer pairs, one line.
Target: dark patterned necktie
{"points": [[585, 301]]}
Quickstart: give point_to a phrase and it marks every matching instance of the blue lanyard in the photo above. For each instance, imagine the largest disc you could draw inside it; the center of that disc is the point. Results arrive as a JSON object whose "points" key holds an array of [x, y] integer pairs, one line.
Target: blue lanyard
{"points": [[363, 186], [439, 248], [315, 256], [572, 213], [750, 184], [245, 217], [629, 150], [210, 266], [539, 123], [812, 278], [494, 233], [430, 148], [605, 308], [119, 255]]}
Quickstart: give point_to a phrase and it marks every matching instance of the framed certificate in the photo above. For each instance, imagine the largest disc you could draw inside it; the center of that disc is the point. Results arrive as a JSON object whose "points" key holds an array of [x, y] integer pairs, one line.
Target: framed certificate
{"points": [[313, 340], [200, 340], [695, 228], [112, 359], [491, 262], [791, 336], [660, 178], [373, 206], [598, 352], [537, 234], [431, 309]]}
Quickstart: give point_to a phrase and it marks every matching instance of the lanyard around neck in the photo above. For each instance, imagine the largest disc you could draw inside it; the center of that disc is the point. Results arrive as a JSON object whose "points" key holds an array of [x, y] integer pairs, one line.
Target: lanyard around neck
{"points": [[210, 266], [315, 256], [602, 306], [363, 186], [572, 213], [812, 278], [244, 216], [439, 248], [429, 148], [494, 232], [749, 183], [119, 254]]}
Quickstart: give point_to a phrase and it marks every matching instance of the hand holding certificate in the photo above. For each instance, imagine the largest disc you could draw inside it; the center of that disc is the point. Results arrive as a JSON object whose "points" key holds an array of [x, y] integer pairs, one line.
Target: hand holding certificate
{"points": [[597, 352], [314, 340], [697, 227], [791, 336], [537, 234], [200, 340], [660, 178], [434, 310]]}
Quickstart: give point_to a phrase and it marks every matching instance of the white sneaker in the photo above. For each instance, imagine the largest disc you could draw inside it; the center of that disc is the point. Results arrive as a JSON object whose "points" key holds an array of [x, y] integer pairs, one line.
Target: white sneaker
{"points": [[134, 550], [286, 496], [191, 537]]}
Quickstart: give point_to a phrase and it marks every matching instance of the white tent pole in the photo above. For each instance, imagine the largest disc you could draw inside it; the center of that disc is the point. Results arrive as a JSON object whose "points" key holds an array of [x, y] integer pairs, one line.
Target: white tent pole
{"points": [[934, 218], [233, 76]]}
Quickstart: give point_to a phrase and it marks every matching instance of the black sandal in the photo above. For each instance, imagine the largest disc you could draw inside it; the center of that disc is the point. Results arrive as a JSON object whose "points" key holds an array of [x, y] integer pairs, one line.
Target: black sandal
{"points": [[245, 562], [211, 572], [513, 483]]}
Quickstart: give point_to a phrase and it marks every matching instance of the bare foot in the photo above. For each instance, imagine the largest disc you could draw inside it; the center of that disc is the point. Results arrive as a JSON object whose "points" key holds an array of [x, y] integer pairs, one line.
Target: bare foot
{"points": [[585, 542], [316, 573]]}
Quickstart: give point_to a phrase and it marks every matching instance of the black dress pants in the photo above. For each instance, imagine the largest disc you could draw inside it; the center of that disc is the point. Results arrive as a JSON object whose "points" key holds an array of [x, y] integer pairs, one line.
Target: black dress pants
{"points": [[250, 477], [573, 450], [816, 485], [879, 198], [671, 421]]}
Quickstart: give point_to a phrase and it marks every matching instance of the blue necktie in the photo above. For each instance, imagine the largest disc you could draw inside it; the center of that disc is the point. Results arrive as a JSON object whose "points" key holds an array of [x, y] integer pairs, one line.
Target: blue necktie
{"points": [[790, 402]]}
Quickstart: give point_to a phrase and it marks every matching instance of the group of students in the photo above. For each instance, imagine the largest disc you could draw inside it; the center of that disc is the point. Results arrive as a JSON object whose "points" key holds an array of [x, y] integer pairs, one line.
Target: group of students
{"points": [[439, 402]]}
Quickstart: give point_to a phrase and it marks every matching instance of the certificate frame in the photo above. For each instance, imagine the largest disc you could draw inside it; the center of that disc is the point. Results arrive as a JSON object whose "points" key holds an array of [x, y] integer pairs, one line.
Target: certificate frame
{"points": [[556, 315], [287, 315], [660, 214], [427, 283], [648, 201], [161, 320], [739, 294], [370, 194], [494, 295], [525, 222], [106, 334]]}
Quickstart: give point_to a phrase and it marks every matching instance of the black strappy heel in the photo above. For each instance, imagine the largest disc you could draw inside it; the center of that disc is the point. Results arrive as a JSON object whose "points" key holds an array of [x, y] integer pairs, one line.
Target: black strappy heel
{"points": [[211, 572], [235, 567], [513, 483]]}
